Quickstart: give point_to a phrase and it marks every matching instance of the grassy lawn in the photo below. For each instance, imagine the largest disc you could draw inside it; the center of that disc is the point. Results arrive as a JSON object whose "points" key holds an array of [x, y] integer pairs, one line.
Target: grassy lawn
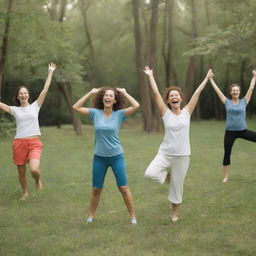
{"points": [[216, 218]]}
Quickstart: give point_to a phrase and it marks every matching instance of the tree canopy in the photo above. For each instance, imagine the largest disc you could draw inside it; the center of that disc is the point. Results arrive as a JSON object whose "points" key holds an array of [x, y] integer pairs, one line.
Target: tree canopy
{"points": [[93, 44]]}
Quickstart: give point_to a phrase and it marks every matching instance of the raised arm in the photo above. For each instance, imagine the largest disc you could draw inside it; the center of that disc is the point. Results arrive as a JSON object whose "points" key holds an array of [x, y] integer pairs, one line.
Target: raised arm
{"points": [[157, 96], [194, 99], [217, 90], [134, 103], [40, 99], [250, 90], [5, 108], [78, 106]]}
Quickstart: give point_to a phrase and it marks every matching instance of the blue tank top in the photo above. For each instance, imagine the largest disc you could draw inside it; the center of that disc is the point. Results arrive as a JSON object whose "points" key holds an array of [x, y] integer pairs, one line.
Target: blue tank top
{"points": [[236, 115]]}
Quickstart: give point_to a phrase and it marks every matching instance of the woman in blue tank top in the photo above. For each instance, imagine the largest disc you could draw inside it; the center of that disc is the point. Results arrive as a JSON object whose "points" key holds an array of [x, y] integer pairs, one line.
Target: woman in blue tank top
{"points": [[235, 118], [107, 116]]}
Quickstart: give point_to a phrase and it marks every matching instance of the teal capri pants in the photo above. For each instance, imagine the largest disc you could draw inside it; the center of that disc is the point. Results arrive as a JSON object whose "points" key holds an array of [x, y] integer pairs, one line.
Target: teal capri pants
{"points": [[100, 167]]}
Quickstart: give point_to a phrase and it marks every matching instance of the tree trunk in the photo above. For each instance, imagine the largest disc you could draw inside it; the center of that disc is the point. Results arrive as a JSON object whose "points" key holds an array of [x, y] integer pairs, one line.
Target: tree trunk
{"points": [[90, 64], [192, 62], [153, 57], [62, 10], [66, 89], [170, 75], [215, 98], [146, 106], [5, 43]]}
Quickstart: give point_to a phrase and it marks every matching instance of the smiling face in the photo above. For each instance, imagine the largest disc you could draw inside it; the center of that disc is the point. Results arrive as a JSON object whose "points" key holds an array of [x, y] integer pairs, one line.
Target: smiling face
{"points": [[235, 91], [109, 99], [22, 96], [174, 99]]}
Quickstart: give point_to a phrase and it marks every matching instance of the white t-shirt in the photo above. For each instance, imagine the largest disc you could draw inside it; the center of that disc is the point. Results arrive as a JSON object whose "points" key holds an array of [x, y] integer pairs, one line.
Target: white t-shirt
{"points": [[26, 120], [176, 138]]}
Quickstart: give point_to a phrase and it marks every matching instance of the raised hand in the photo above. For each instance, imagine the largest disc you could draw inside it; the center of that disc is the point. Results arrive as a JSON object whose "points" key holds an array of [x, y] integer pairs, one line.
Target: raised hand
{"points": [[254, 72], [122, 90], [210, 74], [51, 67], [95, 90], [148, 71]]}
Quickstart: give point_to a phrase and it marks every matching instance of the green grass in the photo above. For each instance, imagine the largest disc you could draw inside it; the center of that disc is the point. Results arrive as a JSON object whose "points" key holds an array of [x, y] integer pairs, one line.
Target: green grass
{"points": [[216, 218]]}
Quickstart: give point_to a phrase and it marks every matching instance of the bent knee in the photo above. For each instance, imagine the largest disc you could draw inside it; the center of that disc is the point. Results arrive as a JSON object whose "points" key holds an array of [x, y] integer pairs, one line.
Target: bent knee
{"points": [[148, 174]]}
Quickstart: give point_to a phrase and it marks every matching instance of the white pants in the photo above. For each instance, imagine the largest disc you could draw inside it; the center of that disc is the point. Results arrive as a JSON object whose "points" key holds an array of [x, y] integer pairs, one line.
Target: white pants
{"points": [[158, 170]]}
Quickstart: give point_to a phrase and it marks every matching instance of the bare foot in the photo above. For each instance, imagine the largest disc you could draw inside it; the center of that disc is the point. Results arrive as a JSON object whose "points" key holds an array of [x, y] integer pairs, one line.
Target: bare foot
{"points": [[24, 196], [39, 185]]}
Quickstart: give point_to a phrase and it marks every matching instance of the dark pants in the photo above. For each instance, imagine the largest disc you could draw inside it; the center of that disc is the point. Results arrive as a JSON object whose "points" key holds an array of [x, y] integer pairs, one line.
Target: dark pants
{"points": [[229, 139]]}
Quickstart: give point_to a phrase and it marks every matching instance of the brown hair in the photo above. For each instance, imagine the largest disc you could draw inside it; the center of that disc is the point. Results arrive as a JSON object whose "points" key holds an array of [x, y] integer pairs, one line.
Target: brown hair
{"points": [[98, 99], [15, 98], [168, 90], [233, 85]]}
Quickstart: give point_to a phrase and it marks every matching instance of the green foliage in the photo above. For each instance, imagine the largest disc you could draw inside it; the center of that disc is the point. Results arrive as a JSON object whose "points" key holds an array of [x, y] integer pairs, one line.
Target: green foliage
{"points": [[36, 40], [232, 36], [225, 42], [7, 127]]}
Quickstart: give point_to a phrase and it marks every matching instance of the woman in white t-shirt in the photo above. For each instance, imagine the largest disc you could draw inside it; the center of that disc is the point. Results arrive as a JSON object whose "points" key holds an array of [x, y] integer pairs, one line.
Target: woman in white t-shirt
{"points": [[174, 151], [27, 147]]}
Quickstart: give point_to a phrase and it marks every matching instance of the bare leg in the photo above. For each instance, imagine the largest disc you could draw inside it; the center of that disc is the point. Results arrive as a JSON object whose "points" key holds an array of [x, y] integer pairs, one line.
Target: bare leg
{"points": [[127, 196], [225, 171], [35, 172], [175, 209], [23, 180], [168, 178], [95, 199]]}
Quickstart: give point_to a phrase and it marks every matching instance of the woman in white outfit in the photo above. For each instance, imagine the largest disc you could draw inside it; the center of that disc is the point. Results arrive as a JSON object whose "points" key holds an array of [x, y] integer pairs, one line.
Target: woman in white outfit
{"points": [[174, 151], [27, 147]]}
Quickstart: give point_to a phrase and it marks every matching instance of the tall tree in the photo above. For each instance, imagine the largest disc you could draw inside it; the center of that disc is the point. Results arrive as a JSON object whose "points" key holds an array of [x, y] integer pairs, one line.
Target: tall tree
{"points": [[5, 40], [216, 102], [146, 106], [167, 49], [65, 85], [90, 60], [152, 55], [192, 62]]}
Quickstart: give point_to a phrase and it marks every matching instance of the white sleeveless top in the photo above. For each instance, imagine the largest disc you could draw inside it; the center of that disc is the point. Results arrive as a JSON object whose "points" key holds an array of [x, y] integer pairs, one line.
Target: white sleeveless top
{"points": [[26, 120], [176, 138]]}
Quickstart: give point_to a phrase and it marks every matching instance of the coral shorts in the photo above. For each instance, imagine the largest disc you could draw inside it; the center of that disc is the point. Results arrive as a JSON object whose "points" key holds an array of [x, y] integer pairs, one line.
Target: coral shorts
{"points": [[26, 149]]}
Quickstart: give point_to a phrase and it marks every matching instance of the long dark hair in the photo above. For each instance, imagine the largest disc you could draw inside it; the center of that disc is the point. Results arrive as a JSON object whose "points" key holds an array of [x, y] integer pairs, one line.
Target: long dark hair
{"points": [[15, 98], [98, 99]]}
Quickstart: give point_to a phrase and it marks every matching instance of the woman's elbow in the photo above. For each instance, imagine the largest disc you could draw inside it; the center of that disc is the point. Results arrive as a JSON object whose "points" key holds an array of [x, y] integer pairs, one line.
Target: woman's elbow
{"points": [[137, 105], [74, 107]]}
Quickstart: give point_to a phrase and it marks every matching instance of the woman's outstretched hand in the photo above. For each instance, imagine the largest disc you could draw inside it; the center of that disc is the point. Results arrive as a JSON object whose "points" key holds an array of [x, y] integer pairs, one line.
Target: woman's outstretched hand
{"points": [[254, 72], [148, 71], [51, 67]]}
